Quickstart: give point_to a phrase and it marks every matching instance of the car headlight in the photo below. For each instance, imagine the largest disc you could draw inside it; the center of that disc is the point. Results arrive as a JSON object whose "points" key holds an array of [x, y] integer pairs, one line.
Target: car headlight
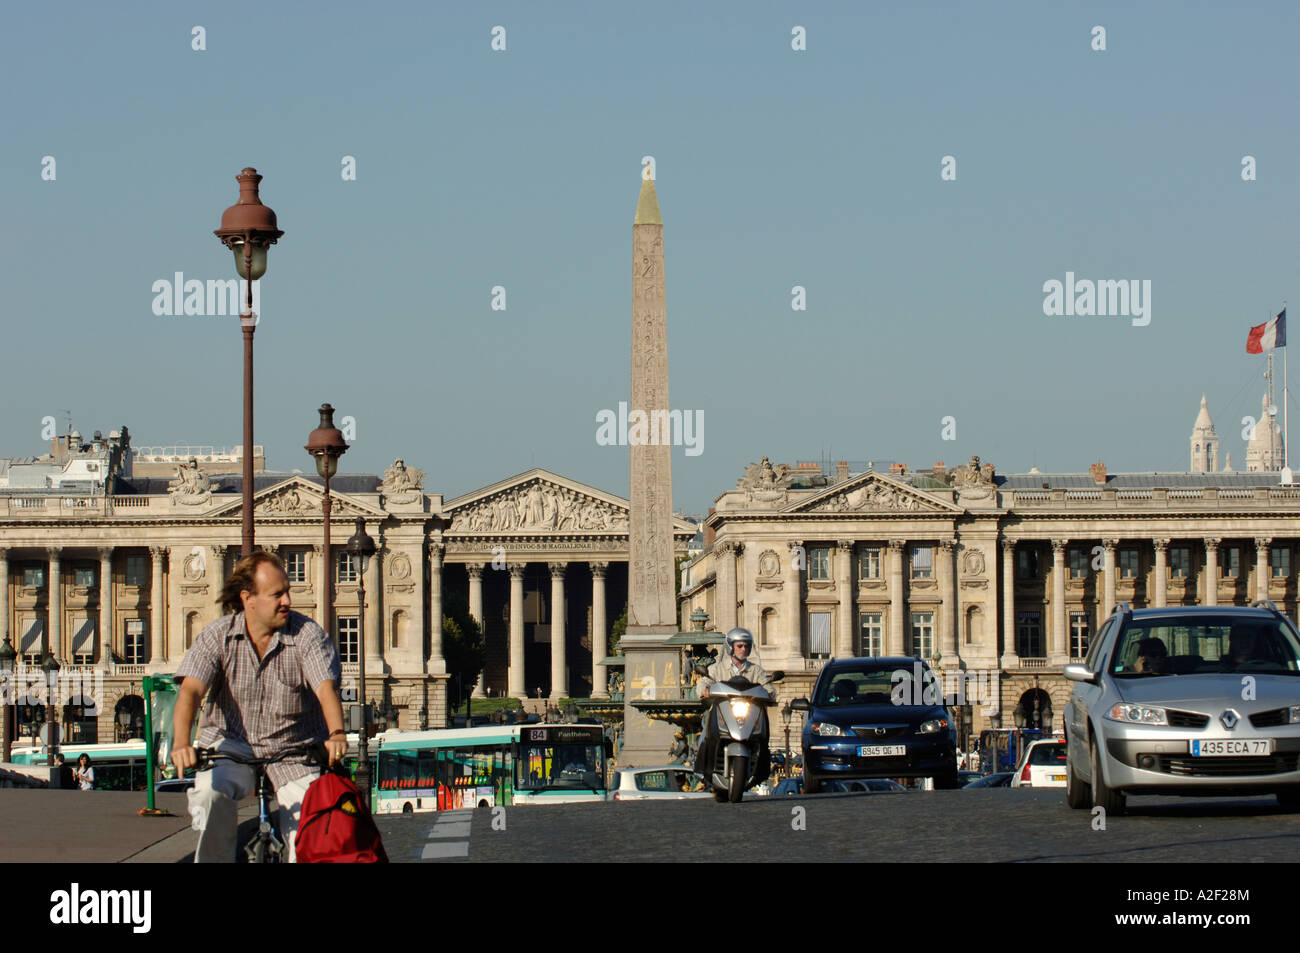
{"points": [[1138, 715], [933, 725], [1295, 714], [739, 708], [825, 729]]}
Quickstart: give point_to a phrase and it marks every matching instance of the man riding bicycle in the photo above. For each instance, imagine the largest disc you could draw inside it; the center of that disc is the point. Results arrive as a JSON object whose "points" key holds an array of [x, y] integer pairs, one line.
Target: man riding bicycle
{"points": [[270, 675]]}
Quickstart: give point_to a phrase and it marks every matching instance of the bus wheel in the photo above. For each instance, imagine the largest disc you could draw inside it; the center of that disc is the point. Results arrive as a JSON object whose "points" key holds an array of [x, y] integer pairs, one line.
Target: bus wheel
{"points": [[407, 809], [483, 804]]}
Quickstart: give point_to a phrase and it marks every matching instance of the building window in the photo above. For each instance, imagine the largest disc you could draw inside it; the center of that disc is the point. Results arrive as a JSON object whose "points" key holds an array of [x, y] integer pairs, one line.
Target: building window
{"points": [[1281, 562], [819, 634], [873, 634], [869, 563], [137, 571], [34, 577], [1230, 562], [295, 566], [923, 634], [1029, 635], [33, 641], [765, 627], [1078, 635], [922, 562], [83, 641], [346, 568], [1180, 562], [819, 563], [349, 637], [84, 575], [133, 642], [1026, 563], [1128, 563], [1078, 563]]}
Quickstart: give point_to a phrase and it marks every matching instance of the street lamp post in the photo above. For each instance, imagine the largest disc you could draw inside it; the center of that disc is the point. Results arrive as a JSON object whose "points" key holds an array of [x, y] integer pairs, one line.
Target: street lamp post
{"points": [[248, 228], [362, 547], [7, 696], [50, 666], [786, 713], [326, 444]]}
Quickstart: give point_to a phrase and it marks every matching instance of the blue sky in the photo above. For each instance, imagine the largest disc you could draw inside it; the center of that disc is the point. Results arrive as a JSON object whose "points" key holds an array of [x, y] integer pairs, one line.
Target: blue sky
{"points": [[775, 168]]}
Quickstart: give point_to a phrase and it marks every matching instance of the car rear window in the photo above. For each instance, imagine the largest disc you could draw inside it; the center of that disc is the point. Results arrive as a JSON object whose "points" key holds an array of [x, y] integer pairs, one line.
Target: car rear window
{"points": [[1047, 754], [652, 781]]}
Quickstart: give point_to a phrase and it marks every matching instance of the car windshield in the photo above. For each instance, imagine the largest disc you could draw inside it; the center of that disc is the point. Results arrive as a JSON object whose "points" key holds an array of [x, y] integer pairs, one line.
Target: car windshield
{"points": [[876, 685], [1047, 754], [1209, 645]]}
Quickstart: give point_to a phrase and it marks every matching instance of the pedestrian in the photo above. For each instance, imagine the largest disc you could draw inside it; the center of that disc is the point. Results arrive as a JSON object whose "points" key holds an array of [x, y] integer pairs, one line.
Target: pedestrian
{"points": [[271, 678], [84, 773], [67, 780]]}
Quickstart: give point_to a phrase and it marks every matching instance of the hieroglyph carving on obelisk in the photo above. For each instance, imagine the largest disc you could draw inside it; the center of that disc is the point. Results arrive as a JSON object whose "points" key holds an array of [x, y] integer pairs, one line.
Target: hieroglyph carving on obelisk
{"points": [[650, 576]]}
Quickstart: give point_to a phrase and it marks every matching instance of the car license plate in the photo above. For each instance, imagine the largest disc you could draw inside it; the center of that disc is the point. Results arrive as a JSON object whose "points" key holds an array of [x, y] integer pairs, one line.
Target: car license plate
{"points": [[1058, 777], [881, 751], [1231, 747]]}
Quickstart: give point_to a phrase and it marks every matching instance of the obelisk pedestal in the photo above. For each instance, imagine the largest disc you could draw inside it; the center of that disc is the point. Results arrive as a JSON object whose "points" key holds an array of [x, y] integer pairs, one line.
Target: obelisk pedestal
{"points": [[650, 665]]}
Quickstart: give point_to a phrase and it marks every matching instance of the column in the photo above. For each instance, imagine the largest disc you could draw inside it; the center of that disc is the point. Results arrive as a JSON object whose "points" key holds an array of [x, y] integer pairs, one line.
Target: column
{"points": [[949, 611], [373, 620], [1162, 572], [1059, 634], [157, 558], [1108, 584], [475, 571], [894, 640], [794, 598], [435, 664], [107, 611], [323, 571], [4, 597], [843, 646], [1261, 566], [599, 640], [1212, 570], [515, 676], [726, 604], [559, 661], [55, 603], [1010, 655]]}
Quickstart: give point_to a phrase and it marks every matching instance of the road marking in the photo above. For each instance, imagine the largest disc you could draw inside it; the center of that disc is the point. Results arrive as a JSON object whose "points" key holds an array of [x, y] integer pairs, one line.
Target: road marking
{"points": [[449, 836]]}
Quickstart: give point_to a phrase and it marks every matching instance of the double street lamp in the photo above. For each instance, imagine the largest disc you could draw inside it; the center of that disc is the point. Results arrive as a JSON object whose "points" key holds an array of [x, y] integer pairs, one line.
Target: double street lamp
{"points": [[7, 696], [50, 666], [248, 228], [326, 444], [361, 547]]}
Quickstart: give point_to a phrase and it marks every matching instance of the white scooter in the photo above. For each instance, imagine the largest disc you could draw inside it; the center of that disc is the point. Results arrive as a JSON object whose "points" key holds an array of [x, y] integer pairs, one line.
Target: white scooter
{"points": [[735, 736]]}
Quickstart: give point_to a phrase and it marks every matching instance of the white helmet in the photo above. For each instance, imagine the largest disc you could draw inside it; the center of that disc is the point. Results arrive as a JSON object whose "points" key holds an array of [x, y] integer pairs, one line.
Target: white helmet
{"points": [[740, 635]]}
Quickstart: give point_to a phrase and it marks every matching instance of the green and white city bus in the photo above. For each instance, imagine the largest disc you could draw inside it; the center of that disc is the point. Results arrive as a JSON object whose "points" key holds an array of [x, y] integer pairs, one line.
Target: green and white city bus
{"points": [[118, 767], [489, 767]]}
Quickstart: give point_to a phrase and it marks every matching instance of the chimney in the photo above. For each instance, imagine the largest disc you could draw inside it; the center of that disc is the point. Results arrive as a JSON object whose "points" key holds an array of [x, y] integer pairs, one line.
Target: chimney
{"points": [[708, 529], [841, 471], [1098, 471], [898, 469]]}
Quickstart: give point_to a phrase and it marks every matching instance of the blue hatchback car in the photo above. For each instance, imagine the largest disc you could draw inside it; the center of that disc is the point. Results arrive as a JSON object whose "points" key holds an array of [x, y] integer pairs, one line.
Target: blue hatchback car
{"points": [[877, 718]]}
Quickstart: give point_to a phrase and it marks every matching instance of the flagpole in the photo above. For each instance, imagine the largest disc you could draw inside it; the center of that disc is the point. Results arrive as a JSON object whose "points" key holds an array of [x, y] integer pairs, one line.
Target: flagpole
{"points": [[1286, 400]]}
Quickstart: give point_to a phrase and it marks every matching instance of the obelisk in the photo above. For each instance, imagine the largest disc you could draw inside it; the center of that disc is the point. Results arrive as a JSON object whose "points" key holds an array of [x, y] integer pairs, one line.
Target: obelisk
{"points": [[650, 665]]}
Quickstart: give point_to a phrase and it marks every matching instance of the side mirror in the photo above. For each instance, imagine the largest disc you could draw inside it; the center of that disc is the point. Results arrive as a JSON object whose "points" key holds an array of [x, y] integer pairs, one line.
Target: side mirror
{"points": [[1080, 673], [800, 704], [778, 675]]}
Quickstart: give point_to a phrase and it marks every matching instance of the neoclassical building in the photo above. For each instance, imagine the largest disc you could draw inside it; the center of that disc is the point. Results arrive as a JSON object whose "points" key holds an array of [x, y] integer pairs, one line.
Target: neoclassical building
{"points": [[1002, 577], [115, 574]]}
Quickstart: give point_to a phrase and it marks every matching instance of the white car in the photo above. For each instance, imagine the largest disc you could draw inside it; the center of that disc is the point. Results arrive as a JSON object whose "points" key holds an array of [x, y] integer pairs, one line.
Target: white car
{"points": [[672, 782], [1043, 765]]}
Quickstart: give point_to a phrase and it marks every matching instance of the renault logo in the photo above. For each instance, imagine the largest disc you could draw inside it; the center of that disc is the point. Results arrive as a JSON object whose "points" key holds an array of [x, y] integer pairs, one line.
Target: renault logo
{"points": [[1229, 719]]}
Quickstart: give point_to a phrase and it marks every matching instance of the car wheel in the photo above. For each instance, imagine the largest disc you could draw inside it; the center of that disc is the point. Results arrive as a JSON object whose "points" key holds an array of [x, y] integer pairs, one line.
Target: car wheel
{"points": [[947, 781], [407, 809], [1113, 802], [1077, 794], [1289, 799], [811, 784]]}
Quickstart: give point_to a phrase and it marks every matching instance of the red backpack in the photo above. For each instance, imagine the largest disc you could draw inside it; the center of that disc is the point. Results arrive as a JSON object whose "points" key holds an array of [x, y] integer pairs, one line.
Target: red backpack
{"points": [[335, 827]]}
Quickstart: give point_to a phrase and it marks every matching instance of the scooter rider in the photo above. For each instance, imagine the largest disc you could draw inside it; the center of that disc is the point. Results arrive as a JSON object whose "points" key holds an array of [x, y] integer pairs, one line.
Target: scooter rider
{"points": [[735, 664]]}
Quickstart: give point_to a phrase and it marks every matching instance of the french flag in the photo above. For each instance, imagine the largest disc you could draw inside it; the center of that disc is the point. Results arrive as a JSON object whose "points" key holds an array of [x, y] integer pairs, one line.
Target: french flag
{"points": [[1268, 335]]}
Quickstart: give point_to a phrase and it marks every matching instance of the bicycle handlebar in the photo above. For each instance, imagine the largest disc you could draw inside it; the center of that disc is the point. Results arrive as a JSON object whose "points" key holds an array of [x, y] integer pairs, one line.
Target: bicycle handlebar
{"points": [[315, 751]]}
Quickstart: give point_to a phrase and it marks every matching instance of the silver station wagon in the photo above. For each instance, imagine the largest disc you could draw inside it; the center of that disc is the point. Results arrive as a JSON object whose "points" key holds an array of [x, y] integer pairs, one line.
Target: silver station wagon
{"points": [[1195, 700]]}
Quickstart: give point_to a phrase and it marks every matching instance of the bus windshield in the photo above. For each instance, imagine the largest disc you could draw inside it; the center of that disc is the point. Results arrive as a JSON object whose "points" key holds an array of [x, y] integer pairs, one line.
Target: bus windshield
{"points": [[547, 766]]}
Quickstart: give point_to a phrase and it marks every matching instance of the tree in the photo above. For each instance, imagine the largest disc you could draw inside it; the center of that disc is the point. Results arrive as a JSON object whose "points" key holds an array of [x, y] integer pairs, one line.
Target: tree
{"points": [[463, 645], [617, 632]]}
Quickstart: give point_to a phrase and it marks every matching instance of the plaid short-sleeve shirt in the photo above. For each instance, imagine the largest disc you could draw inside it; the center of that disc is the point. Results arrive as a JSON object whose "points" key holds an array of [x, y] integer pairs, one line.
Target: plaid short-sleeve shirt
{"points": [[269, 703]]}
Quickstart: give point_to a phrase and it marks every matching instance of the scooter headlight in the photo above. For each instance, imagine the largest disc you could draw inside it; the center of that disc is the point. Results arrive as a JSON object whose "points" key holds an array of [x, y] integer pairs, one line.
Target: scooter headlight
{"points": [[739, 708]]}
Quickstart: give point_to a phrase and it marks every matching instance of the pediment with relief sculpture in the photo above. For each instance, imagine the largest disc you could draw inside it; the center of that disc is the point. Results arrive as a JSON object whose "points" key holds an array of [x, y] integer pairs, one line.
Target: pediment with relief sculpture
{"points": [[873, 493], [296, 498]]}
